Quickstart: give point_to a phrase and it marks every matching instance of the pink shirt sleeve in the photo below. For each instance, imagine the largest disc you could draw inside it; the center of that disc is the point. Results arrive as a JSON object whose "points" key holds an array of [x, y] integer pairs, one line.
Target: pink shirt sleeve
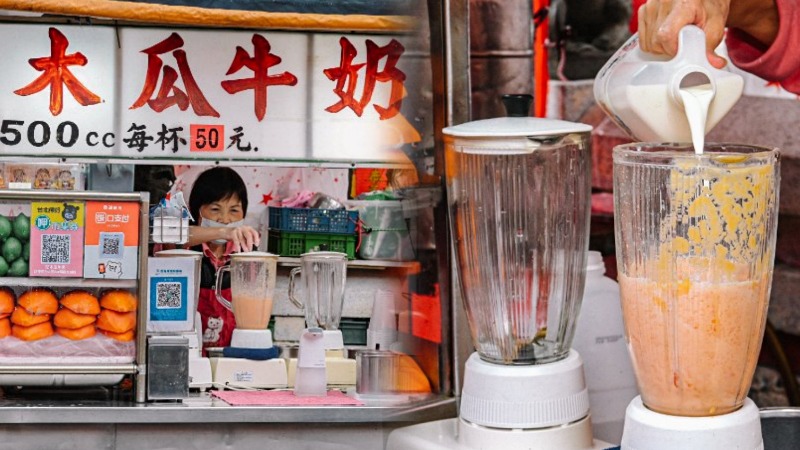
{"points": [[779, 62]]}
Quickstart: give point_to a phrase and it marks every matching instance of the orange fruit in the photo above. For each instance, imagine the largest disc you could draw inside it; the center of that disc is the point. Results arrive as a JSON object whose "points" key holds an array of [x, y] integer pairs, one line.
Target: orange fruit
{"points": [[32, 333], [21, 316], [116, 322], [77, 334], [119, 301], [5, 328], [65, 318], [7, 300], [81, 302], [39, 301], [124, 337]]}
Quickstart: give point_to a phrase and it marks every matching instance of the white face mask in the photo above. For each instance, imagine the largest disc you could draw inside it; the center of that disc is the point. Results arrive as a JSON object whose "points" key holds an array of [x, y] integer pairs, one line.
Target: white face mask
{"points": [[208, 223]]}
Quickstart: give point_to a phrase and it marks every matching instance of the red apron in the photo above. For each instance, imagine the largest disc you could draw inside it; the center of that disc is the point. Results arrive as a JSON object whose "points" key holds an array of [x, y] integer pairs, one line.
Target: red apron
{"points": [[218, 322]]}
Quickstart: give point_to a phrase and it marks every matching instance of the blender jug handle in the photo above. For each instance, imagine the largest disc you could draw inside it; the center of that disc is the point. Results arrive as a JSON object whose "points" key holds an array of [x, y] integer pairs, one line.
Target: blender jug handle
{"points": [[292, 276], [218, 288]]}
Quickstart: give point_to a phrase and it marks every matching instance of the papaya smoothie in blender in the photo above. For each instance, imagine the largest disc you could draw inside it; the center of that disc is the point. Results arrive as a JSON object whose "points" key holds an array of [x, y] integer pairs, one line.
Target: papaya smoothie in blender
{"points": [[695, 248]]}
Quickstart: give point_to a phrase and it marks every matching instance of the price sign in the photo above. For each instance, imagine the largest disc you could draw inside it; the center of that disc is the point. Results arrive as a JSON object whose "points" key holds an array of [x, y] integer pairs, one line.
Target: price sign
{"points": [[206, 138]]}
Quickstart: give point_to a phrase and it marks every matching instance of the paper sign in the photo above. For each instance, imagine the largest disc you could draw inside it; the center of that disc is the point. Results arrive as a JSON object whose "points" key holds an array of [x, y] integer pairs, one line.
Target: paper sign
{"points": [[112, 240], [171, 297], [56, 239]]}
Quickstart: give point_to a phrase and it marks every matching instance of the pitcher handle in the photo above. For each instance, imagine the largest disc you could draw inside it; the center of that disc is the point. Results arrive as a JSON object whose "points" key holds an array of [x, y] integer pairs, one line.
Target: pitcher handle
{"points": [[292, 276], [218, 288]]}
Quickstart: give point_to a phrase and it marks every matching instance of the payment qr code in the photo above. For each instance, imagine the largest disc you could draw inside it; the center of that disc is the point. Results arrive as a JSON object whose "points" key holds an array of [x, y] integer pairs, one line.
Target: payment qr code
{"points": [[111, 245], [168, 295], [55, 248]]}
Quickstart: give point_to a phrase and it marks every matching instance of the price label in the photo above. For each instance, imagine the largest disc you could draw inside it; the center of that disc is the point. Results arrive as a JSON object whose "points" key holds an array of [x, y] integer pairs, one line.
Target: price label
{"points": [[207, 138]]}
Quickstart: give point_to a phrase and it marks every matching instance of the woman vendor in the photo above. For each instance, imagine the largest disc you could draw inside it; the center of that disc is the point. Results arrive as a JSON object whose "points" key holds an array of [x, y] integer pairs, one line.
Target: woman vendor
{"points": [[218, 203]]}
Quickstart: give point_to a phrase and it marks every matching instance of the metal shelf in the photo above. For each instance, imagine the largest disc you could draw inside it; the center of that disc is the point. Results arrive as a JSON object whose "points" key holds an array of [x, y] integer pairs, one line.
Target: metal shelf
{"points": [[68, 282]]}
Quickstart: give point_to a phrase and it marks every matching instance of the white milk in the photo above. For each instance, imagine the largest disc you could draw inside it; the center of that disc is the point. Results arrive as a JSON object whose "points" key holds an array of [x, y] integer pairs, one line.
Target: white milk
{"points": [[696, 100], [652, 114]]}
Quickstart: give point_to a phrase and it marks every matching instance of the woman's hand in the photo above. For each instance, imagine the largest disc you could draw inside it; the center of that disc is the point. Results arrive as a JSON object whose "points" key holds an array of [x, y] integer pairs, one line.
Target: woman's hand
{"points": [[244, 238], [660, 21]]}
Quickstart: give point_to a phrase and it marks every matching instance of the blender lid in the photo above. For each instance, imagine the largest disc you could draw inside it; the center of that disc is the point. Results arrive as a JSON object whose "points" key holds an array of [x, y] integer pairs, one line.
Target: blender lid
{"points": [[511, 127], [324, 255]]}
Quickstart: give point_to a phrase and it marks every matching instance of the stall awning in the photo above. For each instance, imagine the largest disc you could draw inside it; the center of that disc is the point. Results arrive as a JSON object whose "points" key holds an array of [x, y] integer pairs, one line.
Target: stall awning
{"points": [[350, 15]]}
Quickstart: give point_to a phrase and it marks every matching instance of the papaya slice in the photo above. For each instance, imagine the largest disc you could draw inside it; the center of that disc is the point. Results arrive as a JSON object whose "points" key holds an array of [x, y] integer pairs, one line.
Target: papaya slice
{"points": [[7, 300], [81, 302], [39, 301], [119, 301], [32, 333], [5, 328], [21, 316], [4, 316], [116, 322], [77, 334], [65, 318], [123, 337]]}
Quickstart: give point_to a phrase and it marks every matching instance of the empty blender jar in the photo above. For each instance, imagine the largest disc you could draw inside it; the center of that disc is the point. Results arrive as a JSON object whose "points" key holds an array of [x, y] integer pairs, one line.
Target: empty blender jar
{"points": [[518, 192], [695, 241]]}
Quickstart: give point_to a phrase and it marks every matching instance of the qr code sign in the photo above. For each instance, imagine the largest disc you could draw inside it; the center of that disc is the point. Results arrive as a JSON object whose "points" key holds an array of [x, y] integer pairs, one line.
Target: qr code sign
{"points": [[55, 248], [168, 295], [111, 245]]}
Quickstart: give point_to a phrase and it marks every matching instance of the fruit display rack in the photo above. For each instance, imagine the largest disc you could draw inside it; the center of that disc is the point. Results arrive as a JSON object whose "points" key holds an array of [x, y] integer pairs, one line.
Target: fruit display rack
{"points": [[11, 230]]}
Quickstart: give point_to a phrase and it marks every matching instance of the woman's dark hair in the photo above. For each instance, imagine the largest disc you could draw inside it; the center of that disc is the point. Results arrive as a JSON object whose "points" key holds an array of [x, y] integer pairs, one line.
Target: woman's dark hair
{"points": [[213, 185]]}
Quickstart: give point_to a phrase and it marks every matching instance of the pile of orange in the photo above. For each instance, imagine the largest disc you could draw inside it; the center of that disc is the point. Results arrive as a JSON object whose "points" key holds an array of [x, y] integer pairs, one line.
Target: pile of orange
{"points": [[78, 315]]}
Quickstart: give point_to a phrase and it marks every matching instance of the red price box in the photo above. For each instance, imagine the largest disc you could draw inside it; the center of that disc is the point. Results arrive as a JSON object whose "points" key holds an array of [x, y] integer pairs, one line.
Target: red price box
{"points": [[207, 138]]}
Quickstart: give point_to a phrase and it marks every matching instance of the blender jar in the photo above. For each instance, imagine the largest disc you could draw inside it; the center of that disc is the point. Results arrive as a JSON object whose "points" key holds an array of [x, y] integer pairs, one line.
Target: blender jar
{"points": [[518, 193], [695, 247], [323, 276], [252, 288]]}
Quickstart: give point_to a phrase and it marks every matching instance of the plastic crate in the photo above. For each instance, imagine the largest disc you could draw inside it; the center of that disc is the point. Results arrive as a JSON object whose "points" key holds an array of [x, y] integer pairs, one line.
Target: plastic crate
{"points": [[354, 331], [286, 243], [313, 220]]}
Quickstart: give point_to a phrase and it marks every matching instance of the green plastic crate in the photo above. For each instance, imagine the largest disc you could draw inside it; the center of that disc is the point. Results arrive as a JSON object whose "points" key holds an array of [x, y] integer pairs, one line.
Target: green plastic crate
{"points": [[285, 243], [354, 331]]}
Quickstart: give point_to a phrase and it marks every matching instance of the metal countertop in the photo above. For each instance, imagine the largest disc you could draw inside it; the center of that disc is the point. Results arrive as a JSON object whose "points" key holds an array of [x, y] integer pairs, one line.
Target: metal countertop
{"points": [[203, 408]]}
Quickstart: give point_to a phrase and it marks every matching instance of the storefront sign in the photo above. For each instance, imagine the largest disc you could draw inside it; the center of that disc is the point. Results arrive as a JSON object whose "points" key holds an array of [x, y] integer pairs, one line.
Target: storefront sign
{"points": [[201, 94]]}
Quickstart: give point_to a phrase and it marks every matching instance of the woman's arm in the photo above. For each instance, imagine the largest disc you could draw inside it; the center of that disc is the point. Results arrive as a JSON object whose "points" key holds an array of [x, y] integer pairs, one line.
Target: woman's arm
{"points": [[244, 238]]}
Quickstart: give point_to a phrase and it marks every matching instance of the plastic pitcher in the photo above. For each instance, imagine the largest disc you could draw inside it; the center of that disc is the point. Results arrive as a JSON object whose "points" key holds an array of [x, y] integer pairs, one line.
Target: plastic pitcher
{"points": [[695, 249], [323, 275], [641, 92], [252, 288]]}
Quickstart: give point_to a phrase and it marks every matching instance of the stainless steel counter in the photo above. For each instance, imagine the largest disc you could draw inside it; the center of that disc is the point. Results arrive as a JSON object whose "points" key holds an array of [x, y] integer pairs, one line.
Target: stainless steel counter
{"points": [[203, 408]]}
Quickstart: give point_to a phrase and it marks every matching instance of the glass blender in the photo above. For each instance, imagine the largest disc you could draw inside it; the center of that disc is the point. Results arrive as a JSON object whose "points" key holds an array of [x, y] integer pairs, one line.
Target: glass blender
{"points": [[695, 249], [519, 201], [322, 277], [251, 360]]}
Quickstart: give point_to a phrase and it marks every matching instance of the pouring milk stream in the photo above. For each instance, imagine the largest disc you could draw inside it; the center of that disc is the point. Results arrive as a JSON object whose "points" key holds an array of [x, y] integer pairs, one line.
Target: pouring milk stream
{"points": [[655, 98]]}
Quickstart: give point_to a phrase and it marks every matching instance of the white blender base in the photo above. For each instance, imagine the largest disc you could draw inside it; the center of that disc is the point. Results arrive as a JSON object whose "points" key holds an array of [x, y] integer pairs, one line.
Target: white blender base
{"points": [[200, 373], [649, 430], [339, 371], [239, 372], [258, 339], [455, 434]]}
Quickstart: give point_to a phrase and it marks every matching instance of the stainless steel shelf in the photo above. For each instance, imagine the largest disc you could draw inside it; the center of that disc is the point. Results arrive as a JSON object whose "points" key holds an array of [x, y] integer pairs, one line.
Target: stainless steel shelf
{"points": [[67, 282]]}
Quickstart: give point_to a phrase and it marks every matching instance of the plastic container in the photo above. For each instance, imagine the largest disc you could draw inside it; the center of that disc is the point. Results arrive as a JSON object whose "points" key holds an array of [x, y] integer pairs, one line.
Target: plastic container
{"points": [[641, 91], [354, 331], [286, 243], [600, 339], [386, 233], [313, 220]]}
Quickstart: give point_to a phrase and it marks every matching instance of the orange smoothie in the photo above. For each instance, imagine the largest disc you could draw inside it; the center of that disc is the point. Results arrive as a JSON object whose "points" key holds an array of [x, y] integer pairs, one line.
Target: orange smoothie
{"points": [[694, 344], [251, 313]]}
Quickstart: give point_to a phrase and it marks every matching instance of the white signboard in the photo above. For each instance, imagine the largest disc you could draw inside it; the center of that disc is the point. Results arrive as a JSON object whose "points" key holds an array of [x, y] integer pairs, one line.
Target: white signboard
{"points": [[201, 94]]}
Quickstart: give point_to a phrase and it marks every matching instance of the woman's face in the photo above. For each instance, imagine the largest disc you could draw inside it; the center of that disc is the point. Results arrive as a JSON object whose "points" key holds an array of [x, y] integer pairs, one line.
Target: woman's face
{"points": [[223, 211]]}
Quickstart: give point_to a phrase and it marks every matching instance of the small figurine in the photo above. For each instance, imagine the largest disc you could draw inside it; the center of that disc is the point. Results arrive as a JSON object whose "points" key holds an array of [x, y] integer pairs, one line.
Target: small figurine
{"points": [[42, 179], [65, 181]]}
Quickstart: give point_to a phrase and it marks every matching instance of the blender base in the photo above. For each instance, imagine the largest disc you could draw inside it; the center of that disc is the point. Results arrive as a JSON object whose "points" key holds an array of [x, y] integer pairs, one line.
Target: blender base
{"points": [[238, 372], [456, 434], [647, 429], [259, 339]]}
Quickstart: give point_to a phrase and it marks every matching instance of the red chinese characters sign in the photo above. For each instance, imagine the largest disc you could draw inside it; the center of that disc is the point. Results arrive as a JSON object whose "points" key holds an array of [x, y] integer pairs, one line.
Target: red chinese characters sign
{"points": [[184, 91]]}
